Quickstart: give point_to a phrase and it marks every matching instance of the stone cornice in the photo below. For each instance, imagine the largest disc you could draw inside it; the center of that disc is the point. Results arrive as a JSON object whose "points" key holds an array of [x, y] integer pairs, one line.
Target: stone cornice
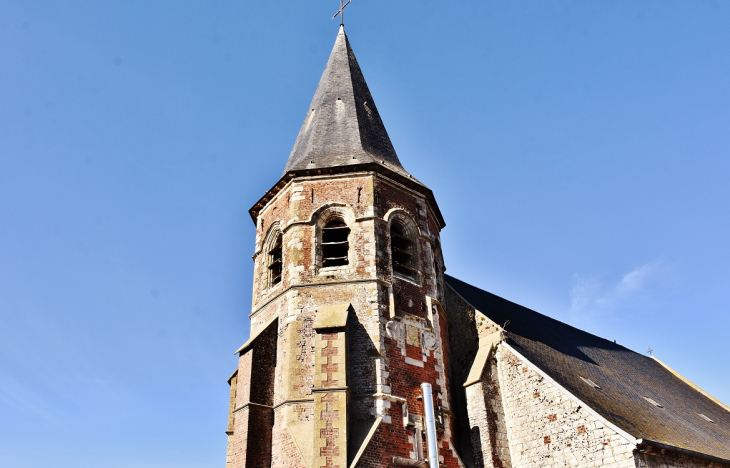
{"points": [[374, 168]]}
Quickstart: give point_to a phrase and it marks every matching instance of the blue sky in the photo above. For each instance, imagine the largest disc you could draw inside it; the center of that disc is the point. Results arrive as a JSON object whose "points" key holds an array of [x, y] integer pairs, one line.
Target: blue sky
{"points": [[578, 151]]}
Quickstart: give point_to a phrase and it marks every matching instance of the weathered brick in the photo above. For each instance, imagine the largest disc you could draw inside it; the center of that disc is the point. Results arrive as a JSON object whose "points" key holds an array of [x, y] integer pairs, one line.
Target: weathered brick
{"points": [[380, 382]]}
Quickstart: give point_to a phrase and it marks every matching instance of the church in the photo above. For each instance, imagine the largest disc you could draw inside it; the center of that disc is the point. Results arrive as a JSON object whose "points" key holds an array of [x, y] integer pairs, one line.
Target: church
{"points": [[363, 352]]}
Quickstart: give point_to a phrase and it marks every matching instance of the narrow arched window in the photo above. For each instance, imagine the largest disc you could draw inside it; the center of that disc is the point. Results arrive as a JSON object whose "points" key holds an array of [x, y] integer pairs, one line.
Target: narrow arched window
{"points": [[438, 268], [335, 246], [402, 251], [274, 261]]}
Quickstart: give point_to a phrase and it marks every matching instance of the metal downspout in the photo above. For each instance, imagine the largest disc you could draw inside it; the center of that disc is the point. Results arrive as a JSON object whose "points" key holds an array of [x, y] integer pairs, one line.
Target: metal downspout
{"points": [[433, 453]]}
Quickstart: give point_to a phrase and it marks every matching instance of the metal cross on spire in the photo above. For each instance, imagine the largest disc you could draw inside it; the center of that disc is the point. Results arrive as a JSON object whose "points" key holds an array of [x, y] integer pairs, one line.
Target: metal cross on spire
{"points": [[341, 12]]}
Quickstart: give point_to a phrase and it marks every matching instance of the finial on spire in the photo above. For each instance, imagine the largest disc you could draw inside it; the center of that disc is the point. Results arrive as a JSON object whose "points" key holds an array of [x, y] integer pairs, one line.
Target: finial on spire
{"points": [[341, 12]]}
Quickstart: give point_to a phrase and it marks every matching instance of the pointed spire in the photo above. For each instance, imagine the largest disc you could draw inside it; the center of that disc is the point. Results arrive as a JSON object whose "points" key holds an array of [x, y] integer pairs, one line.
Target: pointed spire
{"points": [[342, 127]]}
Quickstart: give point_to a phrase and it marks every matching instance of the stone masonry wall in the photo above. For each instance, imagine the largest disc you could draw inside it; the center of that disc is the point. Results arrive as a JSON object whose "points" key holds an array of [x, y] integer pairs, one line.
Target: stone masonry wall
{"points": [[487, 420], [546, 428]]}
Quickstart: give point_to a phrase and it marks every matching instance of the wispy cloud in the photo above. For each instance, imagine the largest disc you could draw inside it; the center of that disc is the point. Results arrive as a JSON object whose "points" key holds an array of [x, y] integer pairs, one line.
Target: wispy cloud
{"points": [[638, 278], [594, 296], [18, 395]]}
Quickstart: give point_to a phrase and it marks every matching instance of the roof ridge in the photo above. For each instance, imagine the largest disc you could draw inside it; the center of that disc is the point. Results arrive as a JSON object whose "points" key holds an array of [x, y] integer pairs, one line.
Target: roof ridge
{"points": [[537, 313]]}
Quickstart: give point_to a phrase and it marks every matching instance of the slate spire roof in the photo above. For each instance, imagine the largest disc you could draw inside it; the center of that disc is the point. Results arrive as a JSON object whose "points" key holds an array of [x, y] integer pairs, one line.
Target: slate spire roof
{"points": [[342, 126]]}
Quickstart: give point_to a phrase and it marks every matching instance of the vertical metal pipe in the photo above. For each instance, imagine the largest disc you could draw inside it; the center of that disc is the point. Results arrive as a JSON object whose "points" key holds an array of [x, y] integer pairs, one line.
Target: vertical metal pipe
{"points": [[433, 453]]}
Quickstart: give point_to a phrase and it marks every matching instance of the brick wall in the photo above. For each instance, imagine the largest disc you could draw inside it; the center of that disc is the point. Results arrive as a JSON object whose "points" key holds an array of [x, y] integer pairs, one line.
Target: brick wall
{"points": [[251, 419], [287, 419]]}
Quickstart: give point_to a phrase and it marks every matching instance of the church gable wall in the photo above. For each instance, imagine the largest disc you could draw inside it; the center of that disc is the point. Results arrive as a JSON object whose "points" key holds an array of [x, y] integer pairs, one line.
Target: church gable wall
{"points": [[517, 418], [546, 428]]}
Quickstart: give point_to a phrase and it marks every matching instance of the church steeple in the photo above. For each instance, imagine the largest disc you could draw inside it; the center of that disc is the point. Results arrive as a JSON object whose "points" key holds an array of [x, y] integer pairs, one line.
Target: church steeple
{"points": [[343, 133], [346, 318], [342, 126]]}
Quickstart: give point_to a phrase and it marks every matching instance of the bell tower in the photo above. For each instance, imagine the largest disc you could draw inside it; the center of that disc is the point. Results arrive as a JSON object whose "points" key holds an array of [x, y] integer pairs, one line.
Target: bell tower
{"points": [[346, 320]]}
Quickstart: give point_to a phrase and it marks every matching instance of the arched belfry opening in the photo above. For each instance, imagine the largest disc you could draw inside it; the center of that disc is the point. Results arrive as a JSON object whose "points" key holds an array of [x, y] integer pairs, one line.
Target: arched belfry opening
{"points": [[335, 243], [402, 250]]}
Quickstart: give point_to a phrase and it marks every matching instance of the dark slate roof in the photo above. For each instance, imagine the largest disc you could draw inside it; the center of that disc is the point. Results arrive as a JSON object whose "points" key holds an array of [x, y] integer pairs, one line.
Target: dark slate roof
{"points": [[625, 377], [342, 126]]}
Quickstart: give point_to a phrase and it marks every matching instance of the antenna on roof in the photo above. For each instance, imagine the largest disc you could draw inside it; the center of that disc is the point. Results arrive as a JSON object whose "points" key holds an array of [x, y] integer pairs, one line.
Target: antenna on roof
{"points": [[341, 12], [650, 351]]}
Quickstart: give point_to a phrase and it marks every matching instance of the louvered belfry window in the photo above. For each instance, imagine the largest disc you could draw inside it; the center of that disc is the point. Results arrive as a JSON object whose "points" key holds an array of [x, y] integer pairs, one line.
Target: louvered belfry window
{"points": [[335, 246], [402, 251], [275, 265]]}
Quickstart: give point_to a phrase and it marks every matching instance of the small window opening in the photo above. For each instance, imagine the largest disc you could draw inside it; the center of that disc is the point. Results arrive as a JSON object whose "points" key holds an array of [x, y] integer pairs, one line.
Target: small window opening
{"points": [[275, 265], [706, 418], [653, 402], [437, 269], [590, 382], [401, 251], [335, 246]]}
